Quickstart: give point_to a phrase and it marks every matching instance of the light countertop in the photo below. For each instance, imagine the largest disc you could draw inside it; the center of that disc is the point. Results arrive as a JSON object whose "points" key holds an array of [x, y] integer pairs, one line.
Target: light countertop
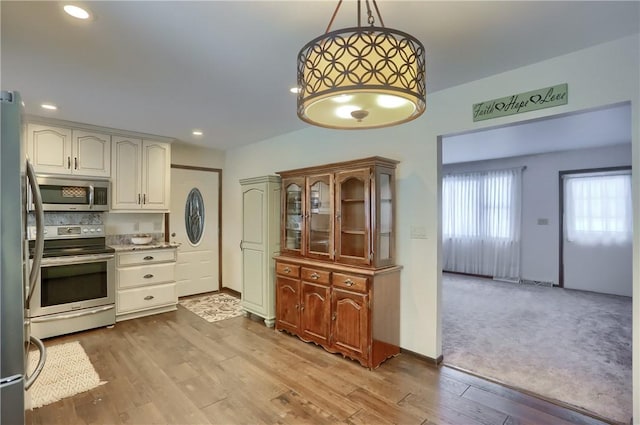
{"points": [[152, 245]]}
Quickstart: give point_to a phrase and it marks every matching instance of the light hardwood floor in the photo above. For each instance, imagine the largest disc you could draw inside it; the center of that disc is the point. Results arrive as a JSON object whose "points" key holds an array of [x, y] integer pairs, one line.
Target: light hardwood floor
{"points": [[176, 368]]}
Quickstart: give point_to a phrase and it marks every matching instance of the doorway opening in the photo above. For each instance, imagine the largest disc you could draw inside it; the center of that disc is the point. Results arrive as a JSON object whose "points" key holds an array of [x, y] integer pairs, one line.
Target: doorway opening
{"points": [[559, 344]]}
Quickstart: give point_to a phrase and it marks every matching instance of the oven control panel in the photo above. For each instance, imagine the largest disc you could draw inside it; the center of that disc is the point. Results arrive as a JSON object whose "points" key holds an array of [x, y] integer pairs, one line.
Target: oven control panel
{"points": [[69, 231]]}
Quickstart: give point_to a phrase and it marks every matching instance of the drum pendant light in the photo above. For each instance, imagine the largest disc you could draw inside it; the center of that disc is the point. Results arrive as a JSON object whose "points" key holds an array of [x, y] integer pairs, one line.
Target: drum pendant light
{"points": [[361, 77]]}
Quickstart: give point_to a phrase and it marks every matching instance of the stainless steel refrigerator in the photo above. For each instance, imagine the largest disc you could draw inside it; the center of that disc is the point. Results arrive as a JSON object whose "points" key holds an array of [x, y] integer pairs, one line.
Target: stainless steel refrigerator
{"points": [[17, 276]]}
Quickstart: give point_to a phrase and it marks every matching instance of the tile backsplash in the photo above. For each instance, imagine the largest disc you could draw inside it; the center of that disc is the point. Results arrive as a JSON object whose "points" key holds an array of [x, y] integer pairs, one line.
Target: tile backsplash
{"points": [[133, 223], [119, 227]]}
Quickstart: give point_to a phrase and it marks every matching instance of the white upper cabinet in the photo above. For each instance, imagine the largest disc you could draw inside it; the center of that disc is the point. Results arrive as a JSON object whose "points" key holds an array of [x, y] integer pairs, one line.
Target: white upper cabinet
{"points": [[92, 153], [141, 174], [59, 150]]}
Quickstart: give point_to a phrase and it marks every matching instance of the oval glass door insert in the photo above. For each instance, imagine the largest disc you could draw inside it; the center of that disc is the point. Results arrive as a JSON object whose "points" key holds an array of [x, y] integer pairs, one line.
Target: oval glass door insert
{"points": [[194, 216]]}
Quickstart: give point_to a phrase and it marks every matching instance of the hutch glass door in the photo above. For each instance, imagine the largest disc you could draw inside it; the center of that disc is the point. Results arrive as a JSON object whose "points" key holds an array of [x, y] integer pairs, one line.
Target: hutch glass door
{"points": [[385, 248], [353, 217], [320, 208], [293, 217]]}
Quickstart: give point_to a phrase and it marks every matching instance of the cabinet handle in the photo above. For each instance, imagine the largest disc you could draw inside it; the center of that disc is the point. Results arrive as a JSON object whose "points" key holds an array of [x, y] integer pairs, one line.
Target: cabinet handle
{"points": [[69, 162], [333, 317], [314, 276], [148, 257], [144, 198], [297, 306], [148, 297], [148, 276], [301, 307], [138, 199], [348, 282], [75, 163], [286, 270]]}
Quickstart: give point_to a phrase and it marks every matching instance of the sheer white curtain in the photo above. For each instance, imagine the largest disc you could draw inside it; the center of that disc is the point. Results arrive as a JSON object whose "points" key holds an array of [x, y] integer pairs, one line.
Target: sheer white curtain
{"points": [[481, 219], [598, 208]]}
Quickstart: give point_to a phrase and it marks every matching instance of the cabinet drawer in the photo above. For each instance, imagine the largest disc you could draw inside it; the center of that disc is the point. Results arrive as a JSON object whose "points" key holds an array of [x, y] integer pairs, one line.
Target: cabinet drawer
{"points": [[145, 298], [315, 276], [146, 257], [353, 283], [130, 277], [287, 270]]}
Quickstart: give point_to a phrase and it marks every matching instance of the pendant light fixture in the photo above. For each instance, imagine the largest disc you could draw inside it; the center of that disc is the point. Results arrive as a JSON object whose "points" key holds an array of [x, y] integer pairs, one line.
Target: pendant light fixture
{"points": [[361, 77]]}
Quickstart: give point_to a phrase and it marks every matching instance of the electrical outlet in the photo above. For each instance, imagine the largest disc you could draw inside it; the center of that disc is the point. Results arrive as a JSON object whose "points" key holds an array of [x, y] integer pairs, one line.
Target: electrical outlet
{"points": [[543, 222], [418, 232]]}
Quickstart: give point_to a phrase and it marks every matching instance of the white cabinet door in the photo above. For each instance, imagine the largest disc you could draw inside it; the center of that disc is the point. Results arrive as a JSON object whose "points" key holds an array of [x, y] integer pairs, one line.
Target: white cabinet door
{"points": [[126, 193], [91, 154], [49, 148], [260, 242], [141, 174], [156, 185]]}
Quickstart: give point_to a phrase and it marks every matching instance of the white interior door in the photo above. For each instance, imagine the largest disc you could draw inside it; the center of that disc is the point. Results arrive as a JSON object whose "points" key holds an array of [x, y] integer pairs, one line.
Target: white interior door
{"points": [[597, 251], [197, 265]]}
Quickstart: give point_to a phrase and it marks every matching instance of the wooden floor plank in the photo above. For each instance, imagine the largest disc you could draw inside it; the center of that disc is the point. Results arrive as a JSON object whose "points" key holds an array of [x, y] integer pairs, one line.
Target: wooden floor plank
{"points": [[176, 368]]}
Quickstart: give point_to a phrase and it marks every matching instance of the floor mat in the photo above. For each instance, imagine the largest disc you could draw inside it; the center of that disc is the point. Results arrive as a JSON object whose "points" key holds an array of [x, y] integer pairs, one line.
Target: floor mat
{"points": [[213, 307], [67, 372]]}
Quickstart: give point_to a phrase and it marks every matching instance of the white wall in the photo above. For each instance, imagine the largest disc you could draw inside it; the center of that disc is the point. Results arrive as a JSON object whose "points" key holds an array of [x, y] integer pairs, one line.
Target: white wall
{"points": [[183, 154], [602, 75], [540, 200]]}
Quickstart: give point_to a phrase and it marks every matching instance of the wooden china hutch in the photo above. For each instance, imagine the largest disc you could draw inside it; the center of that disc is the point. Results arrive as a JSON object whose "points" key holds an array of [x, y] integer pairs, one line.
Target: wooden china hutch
{"points": [[337, 284]]}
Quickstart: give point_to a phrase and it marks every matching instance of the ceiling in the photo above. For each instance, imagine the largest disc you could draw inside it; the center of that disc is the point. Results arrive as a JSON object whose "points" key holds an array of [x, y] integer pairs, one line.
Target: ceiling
{"points": [[225, 67], [609, 126]]}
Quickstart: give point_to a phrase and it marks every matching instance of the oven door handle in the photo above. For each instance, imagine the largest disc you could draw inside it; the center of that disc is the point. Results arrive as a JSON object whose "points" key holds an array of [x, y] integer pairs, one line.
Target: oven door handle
{"points": [[39, 239], [80, 313], [76, 259]]}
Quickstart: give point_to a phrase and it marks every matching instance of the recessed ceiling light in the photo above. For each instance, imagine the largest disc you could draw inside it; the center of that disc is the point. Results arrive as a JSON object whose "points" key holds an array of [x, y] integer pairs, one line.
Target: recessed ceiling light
{"points": [[49, 106], [295, 90], [76, 11], [197, 132]]}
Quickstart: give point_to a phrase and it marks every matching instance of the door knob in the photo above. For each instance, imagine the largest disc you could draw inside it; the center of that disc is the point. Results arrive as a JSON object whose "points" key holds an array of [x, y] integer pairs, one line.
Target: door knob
{"points": [[173, 235]]}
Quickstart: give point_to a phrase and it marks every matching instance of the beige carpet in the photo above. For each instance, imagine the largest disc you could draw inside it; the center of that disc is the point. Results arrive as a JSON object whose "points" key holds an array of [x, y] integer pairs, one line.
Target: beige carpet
{"points": [[67, 372], [571, 346], [213, 307]]}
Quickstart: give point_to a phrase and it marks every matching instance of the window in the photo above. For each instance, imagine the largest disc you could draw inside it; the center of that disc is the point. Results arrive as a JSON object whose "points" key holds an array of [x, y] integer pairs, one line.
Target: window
{"points": [[598, 207], [481, 223], [479, 205]]}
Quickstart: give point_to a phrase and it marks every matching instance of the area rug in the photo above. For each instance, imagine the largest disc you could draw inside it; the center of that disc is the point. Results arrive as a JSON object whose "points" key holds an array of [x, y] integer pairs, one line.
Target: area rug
{"points": [[67, 372], [213, 307], [566, 345]]}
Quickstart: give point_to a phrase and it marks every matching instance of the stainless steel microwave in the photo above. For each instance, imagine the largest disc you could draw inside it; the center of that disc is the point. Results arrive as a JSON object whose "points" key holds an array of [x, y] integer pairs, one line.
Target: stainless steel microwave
{"points": [[73, 194]]}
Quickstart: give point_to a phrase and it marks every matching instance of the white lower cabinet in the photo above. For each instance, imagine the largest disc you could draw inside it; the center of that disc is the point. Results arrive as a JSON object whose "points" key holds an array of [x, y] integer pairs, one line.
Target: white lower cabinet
{"points": [[145, 282]]}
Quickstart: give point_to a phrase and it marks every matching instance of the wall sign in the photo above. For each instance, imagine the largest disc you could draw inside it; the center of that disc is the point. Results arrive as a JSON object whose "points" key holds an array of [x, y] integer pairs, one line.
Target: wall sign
{"points": [[521, 102]]}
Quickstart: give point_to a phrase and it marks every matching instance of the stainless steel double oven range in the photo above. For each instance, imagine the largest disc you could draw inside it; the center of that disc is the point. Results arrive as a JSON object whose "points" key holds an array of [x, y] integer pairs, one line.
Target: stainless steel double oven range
{"points": [[76, 289]]}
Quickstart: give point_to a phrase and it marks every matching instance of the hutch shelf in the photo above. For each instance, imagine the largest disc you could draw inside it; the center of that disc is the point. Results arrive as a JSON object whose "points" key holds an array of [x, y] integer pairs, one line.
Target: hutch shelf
{"points": [[337, 284]]}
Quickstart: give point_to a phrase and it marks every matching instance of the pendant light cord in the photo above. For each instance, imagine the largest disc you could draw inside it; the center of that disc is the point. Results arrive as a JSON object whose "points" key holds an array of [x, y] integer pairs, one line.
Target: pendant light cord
{"points": [[335, 12], [370, 17]]}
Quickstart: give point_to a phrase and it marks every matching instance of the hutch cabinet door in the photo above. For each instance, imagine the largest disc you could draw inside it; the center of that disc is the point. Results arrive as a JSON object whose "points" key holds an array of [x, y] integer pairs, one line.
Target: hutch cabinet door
{"points": [[353, 217], [293, 216], [350, 317], [288, 304], [316, 306], [319, 214], [384, 239]]}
